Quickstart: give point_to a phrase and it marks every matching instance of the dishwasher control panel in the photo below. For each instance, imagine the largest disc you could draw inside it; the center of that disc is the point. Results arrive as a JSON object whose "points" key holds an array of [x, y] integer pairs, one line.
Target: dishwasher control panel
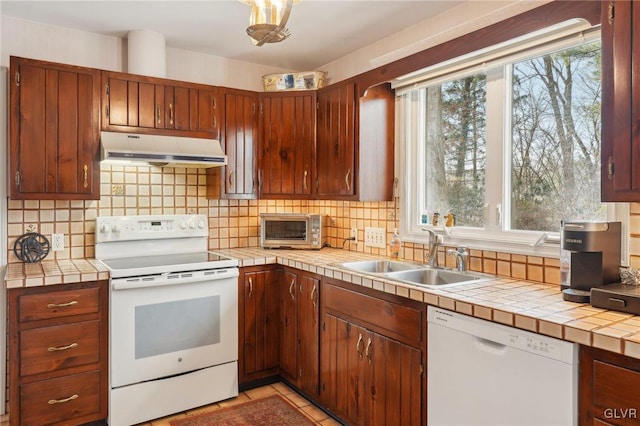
{"points": [[497, 335]]}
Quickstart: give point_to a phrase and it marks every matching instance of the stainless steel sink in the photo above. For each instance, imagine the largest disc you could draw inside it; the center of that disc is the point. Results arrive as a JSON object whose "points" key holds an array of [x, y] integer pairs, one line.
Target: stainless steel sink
{"points": [[379, 266], [413, 273], [436, 277]]}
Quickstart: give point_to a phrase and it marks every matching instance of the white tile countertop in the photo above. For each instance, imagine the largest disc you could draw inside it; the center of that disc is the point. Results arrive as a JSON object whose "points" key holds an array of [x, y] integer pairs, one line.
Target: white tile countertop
{"points": [[523, 304]]}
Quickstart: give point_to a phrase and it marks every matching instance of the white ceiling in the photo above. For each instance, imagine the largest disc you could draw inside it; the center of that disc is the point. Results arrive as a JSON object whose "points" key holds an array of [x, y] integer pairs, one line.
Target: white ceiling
{"points": [[322, 30]]}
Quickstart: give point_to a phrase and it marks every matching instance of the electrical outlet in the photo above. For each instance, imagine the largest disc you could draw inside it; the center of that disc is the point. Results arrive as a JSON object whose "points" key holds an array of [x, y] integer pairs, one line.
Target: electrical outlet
{"points": [[354, 234], [375, 237], [57, 242]]}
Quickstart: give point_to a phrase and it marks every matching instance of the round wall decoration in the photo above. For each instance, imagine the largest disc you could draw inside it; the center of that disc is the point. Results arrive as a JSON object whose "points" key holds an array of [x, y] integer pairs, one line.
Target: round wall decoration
{"points": [[31, 247]]}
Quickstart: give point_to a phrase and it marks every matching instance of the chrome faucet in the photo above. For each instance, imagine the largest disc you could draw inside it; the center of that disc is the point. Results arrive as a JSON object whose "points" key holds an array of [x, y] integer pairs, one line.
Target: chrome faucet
{"points": [[431, 255], [461, 255]]}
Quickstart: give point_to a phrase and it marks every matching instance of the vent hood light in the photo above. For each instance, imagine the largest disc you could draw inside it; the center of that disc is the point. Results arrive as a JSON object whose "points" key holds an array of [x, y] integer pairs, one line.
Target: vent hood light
{"points": [[163, 151]]}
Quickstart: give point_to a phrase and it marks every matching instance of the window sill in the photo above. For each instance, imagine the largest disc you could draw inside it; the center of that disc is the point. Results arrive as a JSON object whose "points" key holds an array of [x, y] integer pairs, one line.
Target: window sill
{"points": [[528, 244]]}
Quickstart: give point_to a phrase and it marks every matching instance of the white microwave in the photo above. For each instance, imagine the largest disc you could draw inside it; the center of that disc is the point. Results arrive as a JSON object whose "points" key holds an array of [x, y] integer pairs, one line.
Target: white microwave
{"points": [[292, 230]]}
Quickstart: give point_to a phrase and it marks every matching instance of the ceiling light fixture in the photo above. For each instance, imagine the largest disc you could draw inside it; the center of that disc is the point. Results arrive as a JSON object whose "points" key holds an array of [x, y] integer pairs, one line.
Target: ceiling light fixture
{"points": [[268, 19]]}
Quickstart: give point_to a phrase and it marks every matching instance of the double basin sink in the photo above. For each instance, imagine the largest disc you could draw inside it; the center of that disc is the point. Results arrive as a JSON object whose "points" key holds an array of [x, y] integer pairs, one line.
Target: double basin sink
{"points": [[413, 273]]}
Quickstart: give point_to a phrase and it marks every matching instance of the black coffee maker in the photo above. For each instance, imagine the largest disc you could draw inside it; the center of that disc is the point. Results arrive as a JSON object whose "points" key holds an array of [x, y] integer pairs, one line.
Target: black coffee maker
{"points": [[589, 257]]}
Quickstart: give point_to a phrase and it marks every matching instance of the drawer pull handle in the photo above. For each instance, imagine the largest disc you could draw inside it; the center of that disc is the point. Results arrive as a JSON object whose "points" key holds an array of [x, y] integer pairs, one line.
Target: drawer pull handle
{"points": [[85, 181], [60, 401], [62, 305], [62, 348], [314, 298], [358, 344], [293, 282]]}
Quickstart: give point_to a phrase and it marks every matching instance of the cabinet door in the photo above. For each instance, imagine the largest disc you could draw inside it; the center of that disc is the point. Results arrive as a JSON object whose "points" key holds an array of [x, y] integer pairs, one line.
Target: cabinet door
{"points": [[308, 334], [393, 383], [54, 132], [289, 326], [131, 102], [287, 144], [259, 333], [621, 94], [342, 364], [609, 388], [336, 140], [190, 109], [140, 104], [238, 140]]}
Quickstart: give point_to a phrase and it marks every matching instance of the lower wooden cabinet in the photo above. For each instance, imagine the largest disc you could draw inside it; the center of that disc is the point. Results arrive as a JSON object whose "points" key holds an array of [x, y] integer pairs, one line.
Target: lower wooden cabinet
{"points": [[258, 323], [58, 354], [609, 388], [373, 356], [299, 330]]}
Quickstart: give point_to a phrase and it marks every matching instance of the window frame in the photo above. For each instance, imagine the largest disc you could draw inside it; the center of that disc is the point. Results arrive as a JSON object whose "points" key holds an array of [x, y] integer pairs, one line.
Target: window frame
{"points": [[493, 237]]}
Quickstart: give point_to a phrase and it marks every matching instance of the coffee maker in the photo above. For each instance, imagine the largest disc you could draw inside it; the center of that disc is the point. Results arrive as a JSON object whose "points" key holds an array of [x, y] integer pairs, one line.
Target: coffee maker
{"points": [[589, 257]]}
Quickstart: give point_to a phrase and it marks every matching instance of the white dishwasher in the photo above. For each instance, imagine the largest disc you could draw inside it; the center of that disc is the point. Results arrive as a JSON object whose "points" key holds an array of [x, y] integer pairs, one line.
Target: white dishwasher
{"points": [[483, 373]]}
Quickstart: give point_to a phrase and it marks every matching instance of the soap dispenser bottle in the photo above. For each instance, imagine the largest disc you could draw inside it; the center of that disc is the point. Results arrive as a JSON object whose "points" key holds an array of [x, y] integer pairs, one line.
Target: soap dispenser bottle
{"points": [[394, 245]]}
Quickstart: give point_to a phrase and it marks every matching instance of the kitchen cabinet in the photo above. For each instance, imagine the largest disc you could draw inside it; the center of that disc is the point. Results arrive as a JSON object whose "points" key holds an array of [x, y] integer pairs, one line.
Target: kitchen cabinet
{"points": [[355, 143], [373, 348], [258, 323], [237, 180], [287, 144], [58, 346], [140, 104], [609, 388], [54, 148], [299, 330], [621, 95]]}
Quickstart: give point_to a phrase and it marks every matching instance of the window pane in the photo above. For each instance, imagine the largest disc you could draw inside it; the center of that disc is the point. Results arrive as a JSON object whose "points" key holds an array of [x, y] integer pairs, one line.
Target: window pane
{"points": [[556, 139], [456, 149]]}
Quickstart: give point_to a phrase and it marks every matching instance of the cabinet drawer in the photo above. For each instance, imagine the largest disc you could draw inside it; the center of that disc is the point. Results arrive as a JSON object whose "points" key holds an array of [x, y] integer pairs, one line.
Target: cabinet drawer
{"points": [[616, 393], [57, 347], [56, 400], [58, 304], [391, 319]]}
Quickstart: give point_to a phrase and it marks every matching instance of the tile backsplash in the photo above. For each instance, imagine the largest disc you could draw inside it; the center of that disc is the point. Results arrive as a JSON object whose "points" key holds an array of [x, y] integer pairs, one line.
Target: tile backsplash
{"points": [[138, 190]]}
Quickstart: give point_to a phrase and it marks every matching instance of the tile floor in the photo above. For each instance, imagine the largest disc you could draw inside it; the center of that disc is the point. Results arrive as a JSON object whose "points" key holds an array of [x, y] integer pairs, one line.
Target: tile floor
{"points": [[310, 410]]}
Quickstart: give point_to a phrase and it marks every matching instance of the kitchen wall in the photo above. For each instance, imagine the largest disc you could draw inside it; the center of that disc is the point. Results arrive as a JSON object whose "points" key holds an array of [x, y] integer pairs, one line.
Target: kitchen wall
{"points": [[235, 223]]}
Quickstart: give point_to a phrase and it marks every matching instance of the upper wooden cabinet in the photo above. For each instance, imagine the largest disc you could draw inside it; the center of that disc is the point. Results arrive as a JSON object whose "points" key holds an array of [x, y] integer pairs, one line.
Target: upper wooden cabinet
{"points": [[54, 131], [238, 179], [355, 143], [620, 101], [139, 104], [287, 144]]}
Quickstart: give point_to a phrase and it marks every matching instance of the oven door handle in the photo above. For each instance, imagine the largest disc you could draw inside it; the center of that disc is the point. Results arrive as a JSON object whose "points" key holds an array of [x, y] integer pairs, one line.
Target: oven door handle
{"points": [[173, 278]]}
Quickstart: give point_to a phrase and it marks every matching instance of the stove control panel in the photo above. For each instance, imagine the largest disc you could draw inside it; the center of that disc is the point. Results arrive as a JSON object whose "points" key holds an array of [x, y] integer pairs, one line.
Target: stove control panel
{"points": [[128, 228]]}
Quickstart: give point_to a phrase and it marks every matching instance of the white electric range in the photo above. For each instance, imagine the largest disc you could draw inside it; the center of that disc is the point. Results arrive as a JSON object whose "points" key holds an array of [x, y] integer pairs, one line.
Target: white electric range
{"points": [[173, 342]]}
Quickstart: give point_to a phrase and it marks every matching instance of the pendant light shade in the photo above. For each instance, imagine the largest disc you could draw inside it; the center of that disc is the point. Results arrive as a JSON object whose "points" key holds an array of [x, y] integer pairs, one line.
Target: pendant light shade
{"points": [[268, 19]]}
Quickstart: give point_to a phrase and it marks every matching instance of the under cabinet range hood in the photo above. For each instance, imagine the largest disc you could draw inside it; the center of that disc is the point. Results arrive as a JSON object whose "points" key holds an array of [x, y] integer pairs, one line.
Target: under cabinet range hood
{"points": [[163, 151]]}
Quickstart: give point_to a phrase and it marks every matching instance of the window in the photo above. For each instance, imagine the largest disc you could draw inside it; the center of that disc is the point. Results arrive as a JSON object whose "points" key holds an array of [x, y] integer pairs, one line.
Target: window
{"points": [[509, 145]]}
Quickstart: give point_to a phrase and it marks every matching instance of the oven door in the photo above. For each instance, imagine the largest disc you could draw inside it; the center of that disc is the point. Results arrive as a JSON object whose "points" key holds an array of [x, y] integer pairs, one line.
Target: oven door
{"points": [[173, 324]]}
